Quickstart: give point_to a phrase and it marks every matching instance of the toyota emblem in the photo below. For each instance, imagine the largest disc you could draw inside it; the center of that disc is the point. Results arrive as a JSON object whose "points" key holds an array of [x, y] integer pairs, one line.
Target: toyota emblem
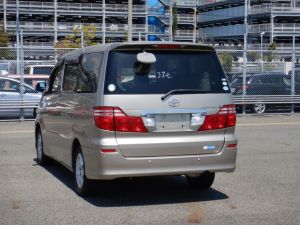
{"points": [[174, 102]]}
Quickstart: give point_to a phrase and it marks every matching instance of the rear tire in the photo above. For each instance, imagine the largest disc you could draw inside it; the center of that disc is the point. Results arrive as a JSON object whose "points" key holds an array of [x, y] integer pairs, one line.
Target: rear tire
{"points": [[41, 158], [81, 182], [203, 181]]}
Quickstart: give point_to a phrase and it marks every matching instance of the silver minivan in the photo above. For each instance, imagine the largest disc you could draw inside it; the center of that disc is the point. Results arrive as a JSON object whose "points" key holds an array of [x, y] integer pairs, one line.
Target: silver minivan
{"points": [[138, 109]]}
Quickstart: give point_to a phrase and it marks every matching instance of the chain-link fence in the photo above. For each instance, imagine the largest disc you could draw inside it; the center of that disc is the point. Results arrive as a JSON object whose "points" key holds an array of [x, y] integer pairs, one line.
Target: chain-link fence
{"points": [[269, 81], [24, 73]]}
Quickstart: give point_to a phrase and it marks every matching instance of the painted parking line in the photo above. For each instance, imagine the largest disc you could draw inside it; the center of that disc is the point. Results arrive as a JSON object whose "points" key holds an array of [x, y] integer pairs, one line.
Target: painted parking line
{"points": [[267, 124], [16, 131]]}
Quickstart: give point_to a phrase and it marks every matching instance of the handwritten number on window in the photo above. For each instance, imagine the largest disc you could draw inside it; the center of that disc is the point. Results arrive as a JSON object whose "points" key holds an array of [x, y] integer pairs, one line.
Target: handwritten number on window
{"points": [[163, 75]]}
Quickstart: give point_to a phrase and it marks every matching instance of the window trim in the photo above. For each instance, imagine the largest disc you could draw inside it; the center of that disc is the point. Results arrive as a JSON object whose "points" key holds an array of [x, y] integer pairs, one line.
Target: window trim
{"points": [[51, 79]]}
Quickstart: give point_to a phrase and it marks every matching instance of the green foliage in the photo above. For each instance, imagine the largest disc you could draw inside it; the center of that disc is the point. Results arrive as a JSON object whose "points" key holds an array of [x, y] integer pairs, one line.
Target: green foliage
{"points": [[271, 54], [4, 40], [74, 40], [226, 61], [252, 56]]}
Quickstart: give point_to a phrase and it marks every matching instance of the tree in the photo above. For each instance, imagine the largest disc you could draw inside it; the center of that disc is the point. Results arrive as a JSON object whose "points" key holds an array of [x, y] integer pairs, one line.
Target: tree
{"points": [[252, 56], [74, 40], [4, 40], [226, 61], [271, 54]]}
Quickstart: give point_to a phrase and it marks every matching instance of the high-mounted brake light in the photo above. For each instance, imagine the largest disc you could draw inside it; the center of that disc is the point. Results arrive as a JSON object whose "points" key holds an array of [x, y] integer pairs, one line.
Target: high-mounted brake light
{"points": [[114, 119], [226, 117], [166, 46]]}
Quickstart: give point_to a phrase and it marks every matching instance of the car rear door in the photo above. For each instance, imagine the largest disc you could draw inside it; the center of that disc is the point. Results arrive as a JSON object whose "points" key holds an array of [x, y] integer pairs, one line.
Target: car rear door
{"points": [[146, 125]]}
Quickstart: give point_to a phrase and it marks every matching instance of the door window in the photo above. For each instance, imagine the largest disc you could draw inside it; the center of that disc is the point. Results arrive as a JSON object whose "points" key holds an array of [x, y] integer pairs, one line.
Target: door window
{"points": [[71, 75], [55, 78], [9, 85], [90, 69]]}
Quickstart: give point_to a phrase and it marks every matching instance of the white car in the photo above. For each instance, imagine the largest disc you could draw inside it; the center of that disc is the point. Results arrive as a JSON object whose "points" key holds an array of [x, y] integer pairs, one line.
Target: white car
{"points": [[12, 104]]}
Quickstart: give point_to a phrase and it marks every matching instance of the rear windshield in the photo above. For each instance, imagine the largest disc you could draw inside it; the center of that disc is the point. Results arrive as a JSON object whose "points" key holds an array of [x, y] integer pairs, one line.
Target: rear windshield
{"points": [[172, 70]]}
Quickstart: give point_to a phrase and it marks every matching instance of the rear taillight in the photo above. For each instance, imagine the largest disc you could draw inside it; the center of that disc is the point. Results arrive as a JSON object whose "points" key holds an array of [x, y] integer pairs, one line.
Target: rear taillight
{"points": [[114, 119], [226, 117]]}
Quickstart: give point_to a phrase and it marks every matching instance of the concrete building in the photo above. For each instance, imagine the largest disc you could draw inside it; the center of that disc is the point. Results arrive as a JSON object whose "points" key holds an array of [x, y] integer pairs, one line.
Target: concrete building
{"points": [[211, 21], [45, 22], [269, 21]]}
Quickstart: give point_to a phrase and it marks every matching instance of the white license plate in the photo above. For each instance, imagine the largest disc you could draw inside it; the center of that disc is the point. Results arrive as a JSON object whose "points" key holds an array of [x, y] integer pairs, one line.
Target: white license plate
{"points": [[172, 122]]}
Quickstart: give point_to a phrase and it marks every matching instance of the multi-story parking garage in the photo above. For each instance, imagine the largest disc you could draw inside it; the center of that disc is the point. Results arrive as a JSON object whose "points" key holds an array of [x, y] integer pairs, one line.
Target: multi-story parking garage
{"points": [[212, 21], [269, 21], [46, 22]]}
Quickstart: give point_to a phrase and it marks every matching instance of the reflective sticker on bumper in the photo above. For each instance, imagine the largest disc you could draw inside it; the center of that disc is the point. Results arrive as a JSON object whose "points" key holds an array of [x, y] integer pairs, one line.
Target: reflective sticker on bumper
{"points": [[209, 147]]}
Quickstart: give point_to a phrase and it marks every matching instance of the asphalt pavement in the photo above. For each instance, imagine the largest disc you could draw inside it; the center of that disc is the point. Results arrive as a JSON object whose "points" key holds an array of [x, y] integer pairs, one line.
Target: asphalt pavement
{"points": [[264, 189]]}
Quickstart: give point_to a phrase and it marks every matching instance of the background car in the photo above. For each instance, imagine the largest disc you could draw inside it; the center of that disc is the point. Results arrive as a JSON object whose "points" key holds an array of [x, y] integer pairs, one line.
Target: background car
{"points": [[274, 83], [12, 104]]}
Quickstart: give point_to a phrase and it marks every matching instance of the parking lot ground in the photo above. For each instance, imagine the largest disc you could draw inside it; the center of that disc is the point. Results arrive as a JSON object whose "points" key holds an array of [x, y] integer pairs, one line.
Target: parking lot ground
{"points": [[264, 189]]}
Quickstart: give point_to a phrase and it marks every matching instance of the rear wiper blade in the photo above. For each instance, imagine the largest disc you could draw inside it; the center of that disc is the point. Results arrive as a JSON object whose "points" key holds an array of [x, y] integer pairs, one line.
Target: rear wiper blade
{"points": [[182, 91]]}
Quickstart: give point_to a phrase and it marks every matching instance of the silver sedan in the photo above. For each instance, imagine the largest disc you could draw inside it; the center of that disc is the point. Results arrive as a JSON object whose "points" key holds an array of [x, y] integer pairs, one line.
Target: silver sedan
{"points": [[13, 103]]}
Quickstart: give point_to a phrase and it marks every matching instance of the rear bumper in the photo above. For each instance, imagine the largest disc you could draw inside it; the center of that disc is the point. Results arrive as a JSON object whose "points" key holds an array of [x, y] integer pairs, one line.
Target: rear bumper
{"points": [[114, 165]]}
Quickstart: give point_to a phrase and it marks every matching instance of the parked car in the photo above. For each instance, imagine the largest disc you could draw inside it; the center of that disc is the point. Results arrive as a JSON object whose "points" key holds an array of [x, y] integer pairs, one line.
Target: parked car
{"points": [[31, 80], [142, 109], [269, 83], [11, 102]]}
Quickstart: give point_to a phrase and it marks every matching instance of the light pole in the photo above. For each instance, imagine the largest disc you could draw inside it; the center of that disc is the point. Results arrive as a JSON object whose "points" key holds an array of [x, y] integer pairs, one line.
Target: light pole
{"points": [[129, 37], [103, 22], [261, 50]]}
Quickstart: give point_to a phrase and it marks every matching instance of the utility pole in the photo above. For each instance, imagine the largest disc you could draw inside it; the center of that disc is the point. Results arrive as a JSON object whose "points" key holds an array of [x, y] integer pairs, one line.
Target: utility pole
{"points": [[22, 87], [245, 53], [171, 21], [103, 22], [129, 21], [55, 21], [18, 37], [293, 69]]}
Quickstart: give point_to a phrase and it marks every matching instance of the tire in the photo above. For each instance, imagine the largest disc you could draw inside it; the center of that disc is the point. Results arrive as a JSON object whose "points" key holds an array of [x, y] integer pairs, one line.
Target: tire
{"points": [[81, 182], [259, 108], [41, 158], [203, 181]]}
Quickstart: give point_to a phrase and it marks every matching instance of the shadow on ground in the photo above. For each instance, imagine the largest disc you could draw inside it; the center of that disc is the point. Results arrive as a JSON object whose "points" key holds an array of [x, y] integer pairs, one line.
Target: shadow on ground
{"points": [[139, 191]]}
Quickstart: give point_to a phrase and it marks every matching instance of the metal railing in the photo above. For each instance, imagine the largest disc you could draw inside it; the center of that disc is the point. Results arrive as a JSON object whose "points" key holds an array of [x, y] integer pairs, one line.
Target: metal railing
{"points": [[206, 2], [274, 7], [185, 18], [266, 99], [277, 28], [77, 7], [68, 27], [36, 26], [19, 104], [184, 33]]}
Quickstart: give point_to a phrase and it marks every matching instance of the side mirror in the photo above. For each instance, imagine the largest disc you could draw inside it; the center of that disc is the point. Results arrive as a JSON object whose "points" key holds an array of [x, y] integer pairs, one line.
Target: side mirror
{"points": [[41, 86]]}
